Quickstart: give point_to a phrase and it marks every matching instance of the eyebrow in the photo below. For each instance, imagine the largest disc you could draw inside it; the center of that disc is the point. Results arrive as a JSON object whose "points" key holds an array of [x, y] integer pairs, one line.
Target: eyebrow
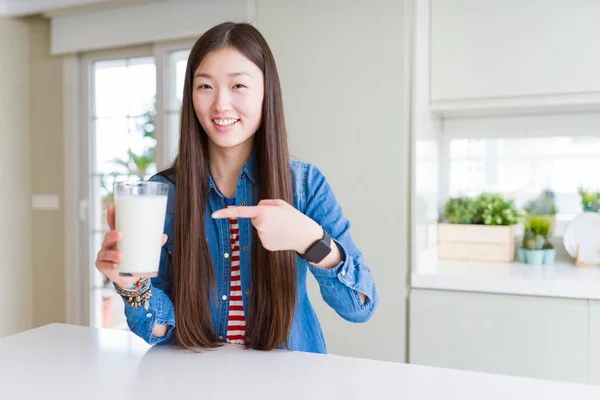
{"points": [[231, 75]]}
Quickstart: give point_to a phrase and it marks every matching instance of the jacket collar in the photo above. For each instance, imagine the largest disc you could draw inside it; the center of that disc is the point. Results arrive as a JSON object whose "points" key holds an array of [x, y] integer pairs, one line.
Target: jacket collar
{"points": [[251, 168], [250, 171]]}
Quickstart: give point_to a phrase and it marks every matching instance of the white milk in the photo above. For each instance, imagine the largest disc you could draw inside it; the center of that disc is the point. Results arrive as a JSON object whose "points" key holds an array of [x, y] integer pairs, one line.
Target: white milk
{"points": [[141, 220]]}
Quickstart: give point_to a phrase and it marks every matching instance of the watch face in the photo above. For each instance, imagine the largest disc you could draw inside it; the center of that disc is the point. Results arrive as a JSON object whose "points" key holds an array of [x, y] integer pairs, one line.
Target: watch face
{"points": [[318, 252]]}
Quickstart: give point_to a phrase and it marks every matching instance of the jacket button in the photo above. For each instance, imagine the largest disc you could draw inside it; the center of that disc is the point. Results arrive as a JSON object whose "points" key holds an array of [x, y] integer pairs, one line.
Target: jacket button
{"points": [[224, 297], [226, 255], [242, 203], [247, 291], [245, 247]]}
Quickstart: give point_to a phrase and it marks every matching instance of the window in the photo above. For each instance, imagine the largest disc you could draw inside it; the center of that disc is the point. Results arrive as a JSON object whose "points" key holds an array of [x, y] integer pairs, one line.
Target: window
{"points": [[122, 147], [521, 168], [518, 156]]}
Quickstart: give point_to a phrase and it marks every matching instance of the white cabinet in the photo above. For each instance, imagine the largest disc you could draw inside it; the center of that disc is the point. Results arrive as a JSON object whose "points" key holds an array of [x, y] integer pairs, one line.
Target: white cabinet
{"points": [[514, 54], [594, 340], [512, 335]]}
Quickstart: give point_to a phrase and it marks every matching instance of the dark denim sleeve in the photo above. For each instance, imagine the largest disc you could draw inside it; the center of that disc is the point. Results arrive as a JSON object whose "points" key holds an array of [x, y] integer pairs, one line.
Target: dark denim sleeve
{"points": [[161, 310], [339, 285]]}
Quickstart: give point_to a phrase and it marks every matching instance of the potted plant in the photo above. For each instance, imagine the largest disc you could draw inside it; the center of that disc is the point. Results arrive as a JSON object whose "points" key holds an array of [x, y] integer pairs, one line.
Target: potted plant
{"points": [[536, 248], [493, 209], [480, 228], [590, 201], [460, 210], [544, 205]]}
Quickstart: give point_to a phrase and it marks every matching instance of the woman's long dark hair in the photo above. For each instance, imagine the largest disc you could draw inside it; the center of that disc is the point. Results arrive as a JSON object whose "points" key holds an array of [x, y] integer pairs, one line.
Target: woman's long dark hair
{"points": [[273, 298]]}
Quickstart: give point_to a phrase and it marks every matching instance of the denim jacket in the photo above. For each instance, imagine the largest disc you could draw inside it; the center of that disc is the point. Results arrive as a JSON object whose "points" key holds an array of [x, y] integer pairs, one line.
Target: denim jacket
{"points": [[338, 286]]}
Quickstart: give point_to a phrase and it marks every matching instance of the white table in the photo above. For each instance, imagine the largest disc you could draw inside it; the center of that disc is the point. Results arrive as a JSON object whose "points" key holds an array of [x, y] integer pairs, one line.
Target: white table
{"points": [[70, 362]]}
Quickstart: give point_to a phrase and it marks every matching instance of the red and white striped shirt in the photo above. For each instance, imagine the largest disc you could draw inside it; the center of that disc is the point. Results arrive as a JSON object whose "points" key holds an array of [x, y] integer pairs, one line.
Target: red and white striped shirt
{"points": [[236, 325]]}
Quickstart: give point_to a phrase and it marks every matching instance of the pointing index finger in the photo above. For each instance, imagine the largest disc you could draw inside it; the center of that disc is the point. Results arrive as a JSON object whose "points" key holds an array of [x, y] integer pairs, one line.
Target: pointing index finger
{"points": [[237, 212]]}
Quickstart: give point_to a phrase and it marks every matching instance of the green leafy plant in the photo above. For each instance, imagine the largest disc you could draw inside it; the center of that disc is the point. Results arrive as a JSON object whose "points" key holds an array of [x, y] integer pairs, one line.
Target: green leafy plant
{"points": [[590, 201], [460, 210], [485, 209], [547, 245], [136, 164], [537, 230], [544, 204], [493, 209]]}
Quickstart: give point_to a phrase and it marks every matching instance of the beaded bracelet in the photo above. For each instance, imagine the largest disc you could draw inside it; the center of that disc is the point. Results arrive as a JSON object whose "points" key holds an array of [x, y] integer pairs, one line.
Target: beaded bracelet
{"points": [[137, 294]]}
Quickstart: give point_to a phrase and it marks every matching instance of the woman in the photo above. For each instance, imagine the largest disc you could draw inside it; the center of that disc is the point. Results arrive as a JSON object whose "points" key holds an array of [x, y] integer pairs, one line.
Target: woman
{"points": [[244, 222]]}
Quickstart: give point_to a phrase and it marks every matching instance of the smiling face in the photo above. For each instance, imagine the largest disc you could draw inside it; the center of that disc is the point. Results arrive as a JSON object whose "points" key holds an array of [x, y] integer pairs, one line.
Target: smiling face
{"points": [[228, 97]]}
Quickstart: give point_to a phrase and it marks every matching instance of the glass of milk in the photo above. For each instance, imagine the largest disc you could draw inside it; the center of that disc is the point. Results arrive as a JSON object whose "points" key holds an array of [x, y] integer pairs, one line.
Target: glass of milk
{"points": [[140, 209]]}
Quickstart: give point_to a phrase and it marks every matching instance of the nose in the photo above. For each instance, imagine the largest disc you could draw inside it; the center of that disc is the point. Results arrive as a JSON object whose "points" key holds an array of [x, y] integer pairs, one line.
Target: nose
{"points": [[222, 101]]}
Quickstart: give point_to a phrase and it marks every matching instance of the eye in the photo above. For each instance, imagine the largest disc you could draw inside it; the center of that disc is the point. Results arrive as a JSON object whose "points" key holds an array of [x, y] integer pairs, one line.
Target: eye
{"points": [[239, 86], [204, 87]]}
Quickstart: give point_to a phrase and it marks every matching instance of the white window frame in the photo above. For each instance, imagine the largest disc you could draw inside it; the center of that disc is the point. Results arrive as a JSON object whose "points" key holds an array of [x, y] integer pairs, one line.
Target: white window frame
{"points": [[164, 78]]}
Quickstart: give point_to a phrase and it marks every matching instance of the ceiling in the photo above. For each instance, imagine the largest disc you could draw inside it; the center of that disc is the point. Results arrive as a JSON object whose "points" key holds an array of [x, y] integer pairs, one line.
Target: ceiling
{"points": [[17, 8]]}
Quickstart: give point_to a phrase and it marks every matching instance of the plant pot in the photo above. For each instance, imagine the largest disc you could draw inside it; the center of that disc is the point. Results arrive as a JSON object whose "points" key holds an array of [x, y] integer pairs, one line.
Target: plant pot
{"points": [[522, 255], [535, 257], [472, 242], [549, 256]]}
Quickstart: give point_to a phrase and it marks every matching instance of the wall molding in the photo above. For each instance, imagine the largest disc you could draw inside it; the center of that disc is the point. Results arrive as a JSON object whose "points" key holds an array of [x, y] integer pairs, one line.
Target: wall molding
{"points": [[518, 105], [134, 24]]}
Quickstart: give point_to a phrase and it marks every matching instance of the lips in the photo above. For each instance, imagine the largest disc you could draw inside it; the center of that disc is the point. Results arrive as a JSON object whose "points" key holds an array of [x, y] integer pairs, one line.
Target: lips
{"points": [[225, 125]]}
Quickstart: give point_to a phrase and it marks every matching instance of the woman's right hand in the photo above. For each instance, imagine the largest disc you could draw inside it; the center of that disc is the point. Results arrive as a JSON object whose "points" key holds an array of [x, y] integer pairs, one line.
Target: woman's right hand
{"points": [[107, 260]]}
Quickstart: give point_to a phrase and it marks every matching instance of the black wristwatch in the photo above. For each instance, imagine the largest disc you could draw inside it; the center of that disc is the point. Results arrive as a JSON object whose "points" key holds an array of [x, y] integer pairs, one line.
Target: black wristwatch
{"points": [[318, 250]]}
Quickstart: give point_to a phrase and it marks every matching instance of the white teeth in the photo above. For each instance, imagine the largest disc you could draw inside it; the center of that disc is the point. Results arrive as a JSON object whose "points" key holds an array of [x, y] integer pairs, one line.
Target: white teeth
{"points": [[225, 122]]}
